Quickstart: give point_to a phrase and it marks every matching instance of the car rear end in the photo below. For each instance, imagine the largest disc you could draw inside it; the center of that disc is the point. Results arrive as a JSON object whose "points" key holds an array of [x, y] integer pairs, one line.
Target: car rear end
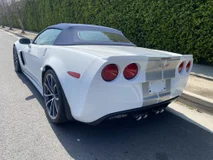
{"points": [[125, 84]]}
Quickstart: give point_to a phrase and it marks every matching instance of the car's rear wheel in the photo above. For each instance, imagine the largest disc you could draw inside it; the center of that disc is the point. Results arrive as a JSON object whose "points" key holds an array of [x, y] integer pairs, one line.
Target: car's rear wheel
{"points": [[53, 98], [16, 62]]}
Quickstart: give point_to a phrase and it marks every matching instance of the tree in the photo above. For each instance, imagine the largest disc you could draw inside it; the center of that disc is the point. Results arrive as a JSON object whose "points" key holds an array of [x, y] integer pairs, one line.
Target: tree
{"points": [[2, 15], [17, 9], [6, 12]]}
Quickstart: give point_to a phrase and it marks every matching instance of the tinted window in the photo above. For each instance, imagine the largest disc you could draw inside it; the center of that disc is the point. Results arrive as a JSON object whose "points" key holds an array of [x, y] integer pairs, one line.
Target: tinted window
{"points": [[47, 37], [101, 36]]}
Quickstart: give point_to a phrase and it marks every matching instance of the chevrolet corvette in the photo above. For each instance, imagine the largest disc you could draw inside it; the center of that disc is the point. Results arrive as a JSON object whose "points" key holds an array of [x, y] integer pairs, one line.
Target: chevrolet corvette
{"points": [[90, 73]]}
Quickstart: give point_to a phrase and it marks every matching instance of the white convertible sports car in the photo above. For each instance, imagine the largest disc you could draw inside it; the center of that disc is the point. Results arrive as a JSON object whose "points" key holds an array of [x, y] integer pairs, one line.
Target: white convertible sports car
{"points": [[90, 73]]}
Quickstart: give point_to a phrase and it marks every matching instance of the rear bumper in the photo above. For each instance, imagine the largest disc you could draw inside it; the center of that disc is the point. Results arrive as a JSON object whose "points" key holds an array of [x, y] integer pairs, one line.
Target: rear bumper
{"points": [[134, 111], [92, 99]]}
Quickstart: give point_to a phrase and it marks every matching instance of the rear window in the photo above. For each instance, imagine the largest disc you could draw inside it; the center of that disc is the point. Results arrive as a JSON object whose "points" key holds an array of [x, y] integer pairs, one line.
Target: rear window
{"points": [[100, 36]]}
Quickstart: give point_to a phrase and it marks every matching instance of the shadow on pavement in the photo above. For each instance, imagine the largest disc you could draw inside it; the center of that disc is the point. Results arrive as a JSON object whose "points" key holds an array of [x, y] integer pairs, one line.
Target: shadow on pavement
{"points": [[163, 137]]}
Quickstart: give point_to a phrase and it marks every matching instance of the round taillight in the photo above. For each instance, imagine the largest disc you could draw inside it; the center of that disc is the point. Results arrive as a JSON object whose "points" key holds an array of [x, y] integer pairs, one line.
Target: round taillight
{"points": [[110, 72], [180, 68], [188, 66], [130, 71]]}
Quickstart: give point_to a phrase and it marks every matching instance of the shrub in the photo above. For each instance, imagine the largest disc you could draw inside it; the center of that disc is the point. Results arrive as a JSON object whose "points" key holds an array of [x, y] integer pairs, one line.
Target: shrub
{"points": [[182, 26]]}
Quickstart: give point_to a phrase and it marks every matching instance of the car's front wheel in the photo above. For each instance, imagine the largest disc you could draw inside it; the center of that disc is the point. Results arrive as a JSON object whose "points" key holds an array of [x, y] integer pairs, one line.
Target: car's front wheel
{"points": [[16, 62], [53, 98]]}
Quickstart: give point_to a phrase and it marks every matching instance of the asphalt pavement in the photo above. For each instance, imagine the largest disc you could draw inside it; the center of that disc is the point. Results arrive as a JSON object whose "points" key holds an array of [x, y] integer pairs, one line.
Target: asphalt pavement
{"points": [[25, 132]]}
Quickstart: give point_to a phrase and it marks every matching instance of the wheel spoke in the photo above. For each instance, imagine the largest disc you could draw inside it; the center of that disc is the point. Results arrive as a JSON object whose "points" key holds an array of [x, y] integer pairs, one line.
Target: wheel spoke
{"points": [[53, 108], [51, 96], [49, 102], [48, 95], [51, 83], [56, 106], [52, 113], [49, 90], [54, 88], [48, 82], [15, 57]]}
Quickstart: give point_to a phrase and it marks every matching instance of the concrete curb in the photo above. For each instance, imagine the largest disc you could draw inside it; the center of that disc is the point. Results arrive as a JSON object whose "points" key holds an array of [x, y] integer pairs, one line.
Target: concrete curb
{"points": [[27, 34], [197, 101], [202, 76]]}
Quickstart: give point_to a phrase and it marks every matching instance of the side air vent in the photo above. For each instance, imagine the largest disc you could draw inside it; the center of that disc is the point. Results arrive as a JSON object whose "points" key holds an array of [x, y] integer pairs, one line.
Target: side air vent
{"points": [[22, 58]]}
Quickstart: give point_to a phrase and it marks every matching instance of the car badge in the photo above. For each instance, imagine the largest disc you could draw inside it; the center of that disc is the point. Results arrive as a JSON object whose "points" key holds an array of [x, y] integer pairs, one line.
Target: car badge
{"points": [[166, 64]]}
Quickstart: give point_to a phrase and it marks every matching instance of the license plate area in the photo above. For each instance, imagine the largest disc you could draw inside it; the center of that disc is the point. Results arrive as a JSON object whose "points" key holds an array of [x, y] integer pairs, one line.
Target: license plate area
{"points": [[157, 86]]}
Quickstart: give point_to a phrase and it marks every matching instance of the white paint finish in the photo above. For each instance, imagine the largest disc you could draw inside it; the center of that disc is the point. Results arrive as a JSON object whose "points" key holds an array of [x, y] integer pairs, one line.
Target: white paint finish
{"points": [[107, 52], [34, 57], [89, 97]]}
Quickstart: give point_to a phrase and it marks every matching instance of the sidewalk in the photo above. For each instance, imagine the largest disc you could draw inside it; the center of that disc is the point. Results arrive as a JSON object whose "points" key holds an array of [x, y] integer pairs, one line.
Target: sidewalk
{"points": [[17, 32], [203, 71], [201, 81], [199, 89]]}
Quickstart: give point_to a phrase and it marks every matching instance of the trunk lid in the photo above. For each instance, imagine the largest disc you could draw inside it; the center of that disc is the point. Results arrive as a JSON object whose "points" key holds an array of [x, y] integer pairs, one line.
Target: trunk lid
{"points": [[106, 52], [155, 64]]}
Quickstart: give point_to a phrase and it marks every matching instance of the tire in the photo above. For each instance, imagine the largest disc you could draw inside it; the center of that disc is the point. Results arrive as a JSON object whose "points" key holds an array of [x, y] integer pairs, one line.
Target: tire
{"points": [[16, 61], [53, 98]]}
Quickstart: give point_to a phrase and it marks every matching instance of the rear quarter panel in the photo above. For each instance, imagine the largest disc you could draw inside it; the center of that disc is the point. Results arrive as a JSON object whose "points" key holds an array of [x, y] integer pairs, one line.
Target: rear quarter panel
{"points": [[62, 60]]}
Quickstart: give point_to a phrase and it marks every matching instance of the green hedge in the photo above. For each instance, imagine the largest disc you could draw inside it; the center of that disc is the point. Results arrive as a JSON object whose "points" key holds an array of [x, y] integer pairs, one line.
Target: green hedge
{"points": [[182, 26]]}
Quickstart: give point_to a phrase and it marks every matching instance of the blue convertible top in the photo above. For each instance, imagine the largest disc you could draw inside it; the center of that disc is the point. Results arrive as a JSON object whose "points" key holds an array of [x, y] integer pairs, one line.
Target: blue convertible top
{"points": [[70, 35], [64, 26]]}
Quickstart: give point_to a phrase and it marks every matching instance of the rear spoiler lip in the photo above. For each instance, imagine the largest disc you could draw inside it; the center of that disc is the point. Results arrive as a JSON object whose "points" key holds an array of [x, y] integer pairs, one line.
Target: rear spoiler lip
{"points": [[147, 58], [144, 58]]}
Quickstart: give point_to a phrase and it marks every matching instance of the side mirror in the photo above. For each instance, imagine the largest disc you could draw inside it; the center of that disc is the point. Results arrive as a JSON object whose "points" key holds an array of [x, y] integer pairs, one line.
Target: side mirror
{"points": [[25, 41]]}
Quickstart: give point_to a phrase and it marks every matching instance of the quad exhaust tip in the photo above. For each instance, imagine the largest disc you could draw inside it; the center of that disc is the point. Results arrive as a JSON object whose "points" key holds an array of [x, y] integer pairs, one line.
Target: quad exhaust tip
{"points": [[141, 116], [159, 111], [138, 118], [162, 110]]}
